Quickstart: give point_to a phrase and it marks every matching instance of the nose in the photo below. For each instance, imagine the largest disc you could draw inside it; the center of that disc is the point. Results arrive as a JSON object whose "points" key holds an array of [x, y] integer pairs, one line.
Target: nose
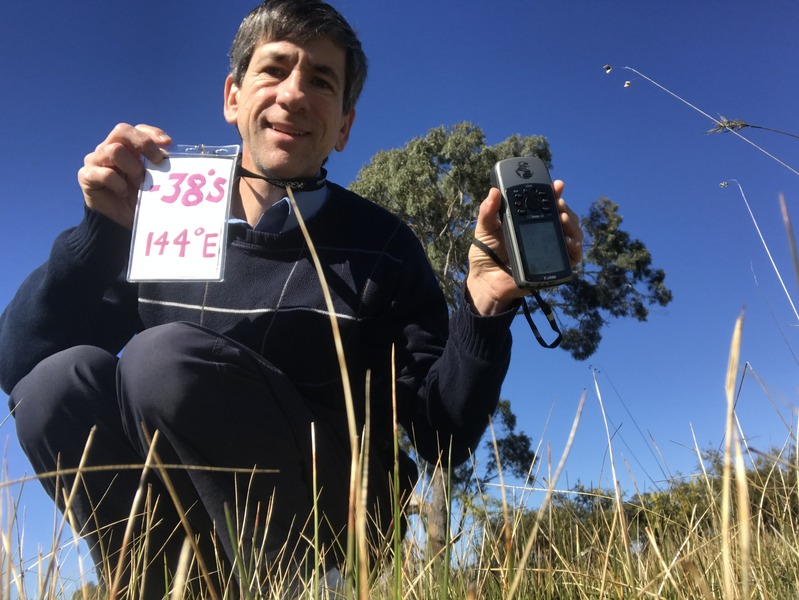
{"points": [[291, 92]]}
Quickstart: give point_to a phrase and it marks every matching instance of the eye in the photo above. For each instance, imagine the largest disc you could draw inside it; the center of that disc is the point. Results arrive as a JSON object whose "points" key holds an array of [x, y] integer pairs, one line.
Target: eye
{"points": [[274, 71], [322, 83]]}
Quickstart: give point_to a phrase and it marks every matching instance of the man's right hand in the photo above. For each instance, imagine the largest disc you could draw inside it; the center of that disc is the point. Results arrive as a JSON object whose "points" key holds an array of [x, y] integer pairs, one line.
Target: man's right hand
{"points": [[111, 175]]}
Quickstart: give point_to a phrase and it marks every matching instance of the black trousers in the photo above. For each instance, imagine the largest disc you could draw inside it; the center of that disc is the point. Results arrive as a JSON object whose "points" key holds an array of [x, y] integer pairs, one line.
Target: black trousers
{"points": [[214, 403]]}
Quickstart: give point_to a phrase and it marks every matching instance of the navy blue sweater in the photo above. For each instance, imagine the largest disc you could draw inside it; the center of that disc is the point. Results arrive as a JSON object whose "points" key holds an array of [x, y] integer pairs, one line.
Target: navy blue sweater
{"points": [[449, 370]]}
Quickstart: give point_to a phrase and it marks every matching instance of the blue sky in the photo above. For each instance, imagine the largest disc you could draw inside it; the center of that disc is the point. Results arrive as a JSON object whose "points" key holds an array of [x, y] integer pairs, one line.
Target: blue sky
{"points": [[73, 70]]}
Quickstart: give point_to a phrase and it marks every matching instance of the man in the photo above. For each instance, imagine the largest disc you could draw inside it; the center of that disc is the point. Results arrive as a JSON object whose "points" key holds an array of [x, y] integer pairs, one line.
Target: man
{"points": [[229, 377]]}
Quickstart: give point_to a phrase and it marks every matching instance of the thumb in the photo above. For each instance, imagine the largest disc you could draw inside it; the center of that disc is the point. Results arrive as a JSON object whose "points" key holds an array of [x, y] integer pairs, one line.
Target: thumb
{"points": [[488, 216]]}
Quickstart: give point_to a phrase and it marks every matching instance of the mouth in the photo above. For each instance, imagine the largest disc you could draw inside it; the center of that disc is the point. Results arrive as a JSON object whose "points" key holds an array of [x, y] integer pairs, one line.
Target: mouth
{"points": [[287, 130]]}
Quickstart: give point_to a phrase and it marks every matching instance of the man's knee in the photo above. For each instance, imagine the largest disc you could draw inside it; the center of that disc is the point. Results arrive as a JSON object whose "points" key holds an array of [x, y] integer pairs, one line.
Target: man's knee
{"points": [[162, 366], [61, 395]]}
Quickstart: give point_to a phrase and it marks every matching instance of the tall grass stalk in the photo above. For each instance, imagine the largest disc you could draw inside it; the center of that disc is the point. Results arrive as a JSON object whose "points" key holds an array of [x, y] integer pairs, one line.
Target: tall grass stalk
{"points": [[731, 438], [445, 564], [316, 517], [528, 547], [507, 532], [68, 502], [76, 545], [198, 556], [619, 505], [717, 122], [396, 509], [786, 220], [765, 245], [361, 512], [114, 576], [345, 380]]}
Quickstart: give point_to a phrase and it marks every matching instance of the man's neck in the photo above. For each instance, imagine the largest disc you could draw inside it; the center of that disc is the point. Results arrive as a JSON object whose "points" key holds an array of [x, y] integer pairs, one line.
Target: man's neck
{"points": [[253, 198]]}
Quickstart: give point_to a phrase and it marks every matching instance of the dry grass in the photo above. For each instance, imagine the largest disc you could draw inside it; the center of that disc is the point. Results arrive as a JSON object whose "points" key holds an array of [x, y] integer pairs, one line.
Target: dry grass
{"points": [[735, 538], [731, 532]]}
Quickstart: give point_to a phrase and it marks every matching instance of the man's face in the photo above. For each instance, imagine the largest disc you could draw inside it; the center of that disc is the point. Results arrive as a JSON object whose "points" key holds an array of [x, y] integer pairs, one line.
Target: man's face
{"points": [[288, 108]]}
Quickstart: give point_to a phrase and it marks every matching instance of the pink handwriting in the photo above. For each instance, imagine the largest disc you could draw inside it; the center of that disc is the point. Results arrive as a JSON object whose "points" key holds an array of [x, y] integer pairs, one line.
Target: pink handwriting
{"points": [[158, 245], [193, 193]]}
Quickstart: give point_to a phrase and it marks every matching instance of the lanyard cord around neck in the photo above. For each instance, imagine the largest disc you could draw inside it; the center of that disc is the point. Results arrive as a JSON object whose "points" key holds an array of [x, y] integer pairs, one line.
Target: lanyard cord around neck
{"points": [[545, 308], [300, 184]]}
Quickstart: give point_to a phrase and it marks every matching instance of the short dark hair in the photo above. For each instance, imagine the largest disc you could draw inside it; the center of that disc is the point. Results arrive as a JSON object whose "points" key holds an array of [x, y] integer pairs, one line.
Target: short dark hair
{"points": [[300, 21]]}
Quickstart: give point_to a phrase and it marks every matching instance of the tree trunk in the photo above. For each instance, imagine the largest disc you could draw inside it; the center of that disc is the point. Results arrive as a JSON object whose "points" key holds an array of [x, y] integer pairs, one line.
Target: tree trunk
{"points": [[437, 513]]}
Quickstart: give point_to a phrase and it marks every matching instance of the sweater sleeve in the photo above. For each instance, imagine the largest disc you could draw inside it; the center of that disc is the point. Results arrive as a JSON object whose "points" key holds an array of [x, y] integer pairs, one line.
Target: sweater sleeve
{"points": [[79, 296], [450, 374]]}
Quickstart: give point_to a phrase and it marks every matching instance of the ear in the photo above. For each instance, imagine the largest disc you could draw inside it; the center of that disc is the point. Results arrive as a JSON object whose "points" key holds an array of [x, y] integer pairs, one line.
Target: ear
{"points": [[344, 132], [231, 100]]}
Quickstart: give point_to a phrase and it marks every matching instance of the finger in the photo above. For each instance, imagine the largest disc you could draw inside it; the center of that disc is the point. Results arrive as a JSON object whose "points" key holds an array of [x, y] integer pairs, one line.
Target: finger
{"points": [[558, 186], [159, 138], [157, 134], [571, 231], [492, 202], [93, 178], [575, 250], [121, 151], [141, 140], [569, 220], [488, 215], [121, 158]]}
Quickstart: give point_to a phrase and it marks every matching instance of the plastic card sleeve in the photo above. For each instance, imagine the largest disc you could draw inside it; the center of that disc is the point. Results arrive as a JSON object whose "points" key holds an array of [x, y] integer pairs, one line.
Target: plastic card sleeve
{"points": [[180, 227]]}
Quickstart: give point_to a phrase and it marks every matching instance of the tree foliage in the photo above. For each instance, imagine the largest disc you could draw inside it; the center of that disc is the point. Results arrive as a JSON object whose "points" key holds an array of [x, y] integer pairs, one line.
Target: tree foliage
{"points": [[89, 591], [617, 279], [436, 183], [683, 517]]}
